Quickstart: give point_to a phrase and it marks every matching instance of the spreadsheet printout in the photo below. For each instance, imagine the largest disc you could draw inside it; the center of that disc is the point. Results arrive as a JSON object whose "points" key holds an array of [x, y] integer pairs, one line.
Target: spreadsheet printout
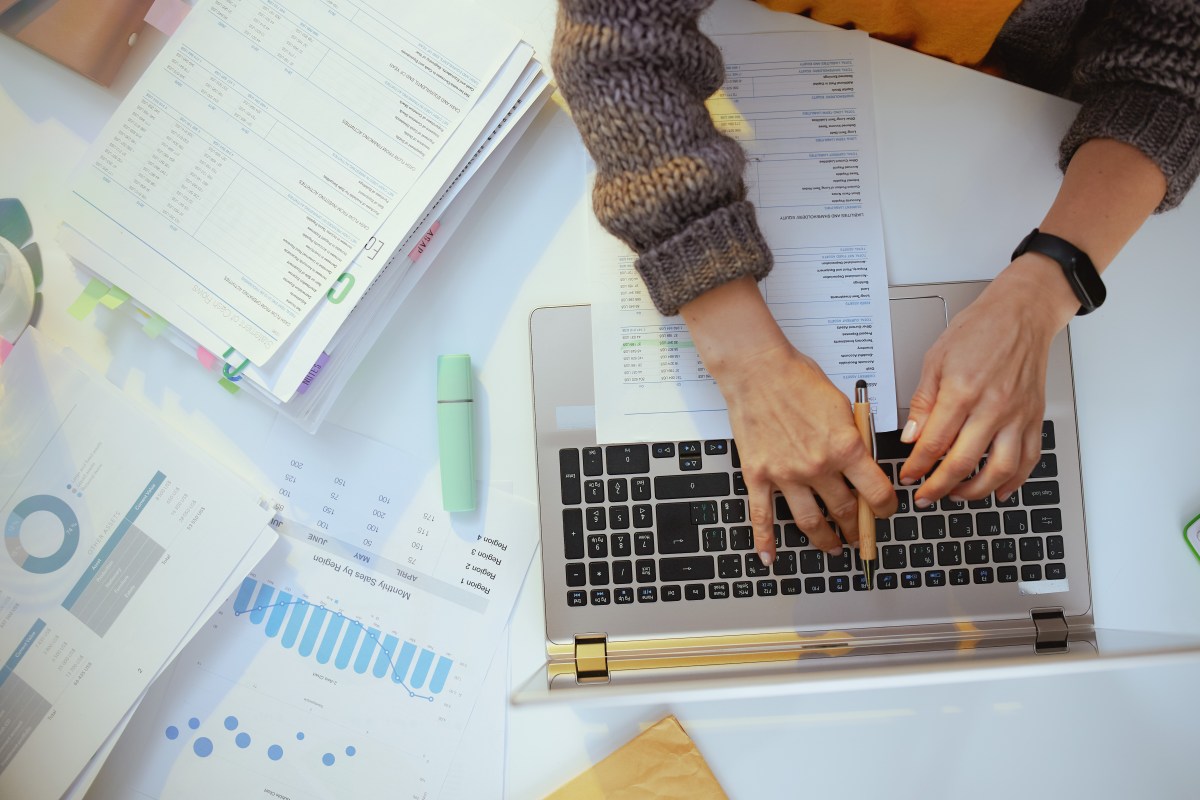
{"points": [[800, 104]]}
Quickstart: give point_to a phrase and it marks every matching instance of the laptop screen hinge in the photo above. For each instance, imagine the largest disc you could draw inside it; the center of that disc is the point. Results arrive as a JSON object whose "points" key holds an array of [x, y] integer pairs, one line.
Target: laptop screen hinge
{"points": [[591, 658], [1052, 631]]}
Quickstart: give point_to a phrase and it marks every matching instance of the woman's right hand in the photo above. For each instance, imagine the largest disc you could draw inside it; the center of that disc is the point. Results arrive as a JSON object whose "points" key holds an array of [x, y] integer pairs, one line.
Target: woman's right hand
{"points": [[794, 429]]}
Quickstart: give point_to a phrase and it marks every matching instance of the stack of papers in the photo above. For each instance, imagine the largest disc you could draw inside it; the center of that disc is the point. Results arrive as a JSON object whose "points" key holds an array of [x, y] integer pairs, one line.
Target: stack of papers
{"points": [[274, 185], [119, 543]]}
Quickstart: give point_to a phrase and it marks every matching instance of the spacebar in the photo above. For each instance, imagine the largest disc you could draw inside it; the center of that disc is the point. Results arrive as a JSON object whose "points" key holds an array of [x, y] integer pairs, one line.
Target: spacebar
{"points": [[702, 484], [686, 568]]}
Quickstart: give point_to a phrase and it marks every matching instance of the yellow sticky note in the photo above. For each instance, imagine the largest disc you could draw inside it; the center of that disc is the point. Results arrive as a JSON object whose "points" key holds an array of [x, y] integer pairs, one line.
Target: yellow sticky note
{"points": [[114, 297], [86, 303], [154, 326]]}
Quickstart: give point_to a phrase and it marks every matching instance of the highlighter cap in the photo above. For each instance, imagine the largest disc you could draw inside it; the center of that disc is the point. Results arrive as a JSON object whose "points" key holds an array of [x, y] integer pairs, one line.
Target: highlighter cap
{"points": [[454, 378]]}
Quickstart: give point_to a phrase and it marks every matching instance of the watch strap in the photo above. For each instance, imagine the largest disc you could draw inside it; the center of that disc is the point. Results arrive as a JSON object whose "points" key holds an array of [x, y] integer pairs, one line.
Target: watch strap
{"points": [[1077, 267]]}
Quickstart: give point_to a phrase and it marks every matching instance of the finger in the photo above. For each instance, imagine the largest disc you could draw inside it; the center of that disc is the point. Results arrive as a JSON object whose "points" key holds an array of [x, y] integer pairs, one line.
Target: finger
{"points": [[958, 464], [1031, 451], [762, 517], [922, 402], [937, 435], [810, 519], [873, 486], [1003, 462]]}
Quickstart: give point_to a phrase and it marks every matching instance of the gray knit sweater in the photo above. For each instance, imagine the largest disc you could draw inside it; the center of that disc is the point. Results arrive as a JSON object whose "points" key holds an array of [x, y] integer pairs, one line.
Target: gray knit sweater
{"points": [[636, 73]]}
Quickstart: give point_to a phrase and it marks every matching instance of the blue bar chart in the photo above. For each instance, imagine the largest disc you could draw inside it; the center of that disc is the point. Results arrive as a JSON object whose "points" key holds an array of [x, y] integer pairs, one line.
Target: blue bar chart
{"points": [[330, 637]]}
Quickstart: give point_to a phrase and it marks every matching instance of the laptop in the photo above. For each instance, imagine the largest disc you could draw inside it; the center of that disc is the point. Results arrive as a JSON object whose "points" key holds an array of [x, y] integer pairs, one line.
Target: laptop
{"points": [[651, 583]]}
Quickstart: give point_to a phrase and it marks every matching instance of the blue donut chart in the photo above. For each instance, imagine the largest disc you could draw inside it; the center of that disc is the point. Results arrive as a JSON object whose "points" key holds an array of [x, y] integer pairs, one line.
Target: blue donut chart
{"points": [[42, 565]]}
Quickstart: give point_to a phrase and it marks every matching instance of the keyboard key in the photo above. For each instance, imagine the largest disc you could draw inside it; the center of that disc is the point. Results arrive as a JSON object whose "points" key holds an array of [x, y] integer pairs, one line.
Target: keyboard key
{"points": [[598, 573], [578, 597], [904, 529], [694, 591], [664, 450], [785, 563], [618, 517], [1006, 574], [984, 502], [920, 554], [677, 532], [812, 561], [643, 516], [593, 491], [597, 545], [842, 563], [643, 543], [623, 595], [1012, 501], [689, 448], [977, 551], [647, 594], [946, 504], [690, 464], [754, 566], [933, 527], [703, 512], [1031, 548], [793, 536], [743, 589], [949, 554], [960, 577], [883, 530], [687, 568], [716, 447], [910, 580], [889, 471], [1040, 493], [767, 588], [839, 583], [782, 510], [886, 580], [733, 511], [734, 458], [714, 539], [1016, 522], [1004, 550], [573, 533], [622, 571], [894, 556], [576, 574], [790, 586], [988, 523], [596, 518], [718, 591], [568, 475], [1047, 467], [859, 582], [903, 504], [729, 566], [600, 597], [645, 570], [961, 525], [618, 490], [741, 537], [626, 459], [639, 488], [1047, 435], [702, 484], [1056, 571], [593, 461], [984, 575], [1046, 520], [1031, 572], [935, 577], [671, 593], [814, 585], [739, 484], [1055, 548]]}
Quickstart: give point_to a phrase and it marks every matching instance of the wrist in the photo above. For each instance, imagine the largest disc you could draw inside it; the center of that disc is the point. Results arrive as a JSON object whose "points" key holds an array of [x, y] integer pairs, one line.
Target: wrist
{"points": [[1038, 283], [731, 326]]}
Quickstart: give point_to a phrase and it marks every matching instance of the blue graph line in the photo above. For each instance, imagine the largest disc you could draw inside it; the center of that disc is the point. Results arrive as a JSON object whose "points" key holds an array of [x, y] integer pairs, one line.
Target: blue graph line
{"points": [[284, 613]]}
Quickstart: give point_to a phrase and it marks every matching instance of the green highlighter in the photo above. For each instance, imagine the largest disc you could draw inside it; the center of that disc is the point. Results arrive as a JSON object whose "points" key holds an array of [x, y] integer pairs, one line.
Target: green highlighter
{"points": [[456, 432]]}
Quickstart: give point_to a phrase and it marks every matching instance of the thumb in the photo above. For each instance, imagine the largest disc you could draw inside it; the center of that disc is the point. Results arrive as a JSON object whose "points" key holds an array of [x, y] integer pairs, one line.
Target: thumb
{"points": [[921, 405]]}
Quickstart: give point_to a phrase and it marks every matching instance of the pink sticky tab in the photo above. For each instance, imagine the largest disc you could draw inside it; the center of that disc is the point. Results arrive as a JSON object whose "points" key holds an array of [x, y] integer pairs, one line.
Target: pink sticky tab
{"points": [[167, 14], [416, 252], [206, 358], [5, 348]]}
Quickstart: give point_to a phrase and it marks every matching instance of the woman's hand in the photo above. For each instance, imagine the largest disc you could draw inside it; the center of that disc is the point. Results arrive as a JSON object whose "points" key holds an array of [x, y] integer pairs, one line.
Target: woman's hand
{"points": [[794, 429]]}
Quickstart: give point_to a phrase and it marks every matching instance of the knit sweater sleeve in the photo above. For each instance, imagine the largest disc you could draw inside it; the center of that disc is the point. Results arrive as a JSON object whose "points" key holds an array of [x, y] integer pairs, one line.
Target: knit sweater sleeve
{"points": [[635, 74]]}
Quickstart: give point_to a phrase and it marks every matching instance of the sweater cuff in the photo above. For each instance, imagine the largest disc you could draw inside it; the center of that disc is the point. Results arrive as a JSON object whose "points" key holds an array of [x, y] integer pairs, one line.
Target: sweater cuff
{"points": [[1164, 126], [721, 247]]}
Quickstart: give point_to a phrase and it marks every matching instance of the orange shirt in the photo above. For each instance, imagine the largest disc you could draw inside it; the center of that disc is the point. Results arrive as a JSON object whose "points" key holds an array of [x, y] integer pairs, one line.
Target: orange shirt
{"points": [[958, 31]]}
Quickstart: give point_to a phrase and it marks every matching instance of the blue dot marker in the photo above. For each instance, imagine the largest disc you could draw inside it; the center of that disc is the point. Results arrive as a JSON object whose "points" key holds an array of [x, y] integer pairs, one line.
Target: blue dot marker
{"points": [[193, 723], [327, 759], [274, 752], [300, 735], [231, 723], [172, 732], [350, 750], [203, 747], [242, 740]]}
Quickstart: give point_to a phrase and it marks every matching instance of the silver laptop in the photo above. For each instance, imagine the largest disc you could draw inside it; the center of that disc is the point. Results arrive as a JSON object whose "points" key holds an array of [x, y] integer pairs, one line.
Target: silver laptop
{"points": [[651, 581]]}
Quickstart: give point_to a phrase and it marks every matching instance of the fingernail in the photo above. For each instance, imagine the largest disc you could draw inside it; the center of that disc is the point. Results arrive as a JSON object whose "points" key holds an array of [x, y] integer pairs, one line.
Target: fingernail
{"points": [[921, 502], [1000, 498], [765, 557], [907, 481], [909, 434], [836, 551], [956, 499]]}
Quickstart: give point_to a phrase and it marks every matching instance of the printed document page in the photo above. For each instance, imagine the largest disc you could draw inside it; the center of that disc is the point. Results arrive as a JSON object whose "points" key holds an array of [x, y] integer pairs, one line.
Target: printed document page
{"points": [[263, 148], [351, 657], [800, 104], [116, 539]]}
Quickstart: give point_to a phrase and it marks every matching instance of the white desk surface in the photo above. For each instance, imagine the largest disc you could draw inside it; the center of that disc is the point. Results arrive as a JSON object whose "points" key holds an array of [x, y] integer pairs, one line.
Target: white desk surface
{"points": [[968, 167]]}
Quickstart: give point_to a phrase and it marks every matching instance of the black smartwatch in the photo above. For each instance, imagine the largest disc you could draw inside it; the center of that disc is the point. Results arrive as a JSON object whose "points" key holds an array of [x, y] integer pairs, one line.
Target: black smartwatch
{"points": [[1076, 266]]}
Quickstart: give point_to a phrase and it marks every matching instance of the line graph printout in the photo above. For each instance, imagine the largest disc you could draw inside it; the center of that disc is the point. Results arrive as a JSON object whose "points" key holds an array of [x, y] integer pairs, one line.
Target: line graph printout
{"points": [[348, 660], [262, 149], [800, 105]]}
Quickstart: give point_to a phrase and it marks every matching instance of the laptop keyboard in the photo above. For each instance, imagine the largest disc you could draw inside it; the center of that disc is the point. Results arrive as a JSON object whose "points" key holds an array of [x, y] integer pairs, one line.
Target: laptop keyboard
{"points": [[665, 522]]}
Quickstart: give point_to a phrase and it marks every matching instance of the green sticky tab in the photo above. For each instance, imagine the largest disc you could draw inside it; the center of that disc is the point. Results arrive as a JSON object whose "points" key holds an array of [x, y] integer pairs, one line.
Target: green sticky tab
{"points": [[115, 297], [86, 303], [154, 326], [229, 386]]}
